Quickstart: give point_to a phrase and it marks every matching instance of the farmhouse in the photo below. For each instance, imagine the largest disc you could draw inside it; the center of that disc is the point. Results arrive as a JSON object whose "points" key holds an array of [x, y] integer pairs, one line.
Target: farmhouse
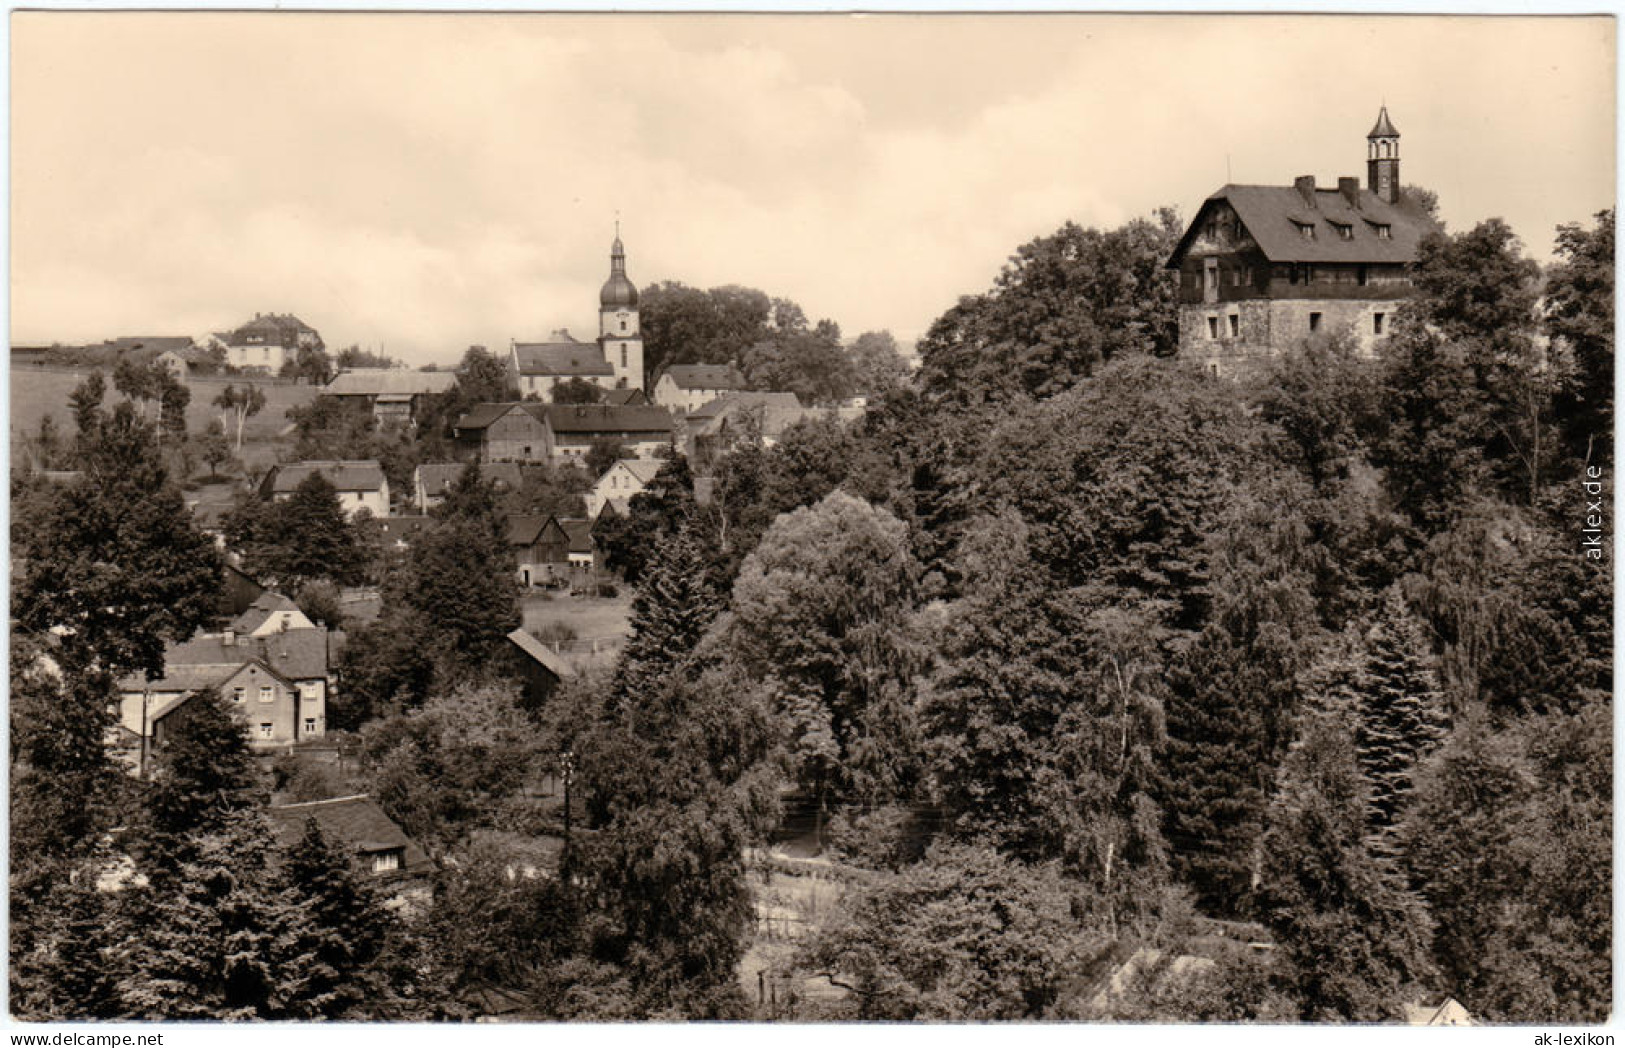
{"points": [[685, 387], [360, 484], [393, 395]]}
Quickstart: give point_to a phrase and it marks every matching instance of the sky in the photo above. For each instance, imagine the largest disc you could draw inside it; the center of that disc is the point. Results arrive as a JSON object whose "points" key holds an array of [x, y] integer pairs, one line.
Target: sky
{"points": [[420, 183]]}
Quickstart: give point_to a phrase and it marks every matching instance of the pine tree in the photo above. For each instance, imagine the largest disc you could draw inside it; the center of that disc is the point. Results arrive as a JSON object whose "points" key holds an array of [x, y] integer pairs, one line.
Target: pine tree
{"points": [[1401, 715], [676, 603], [312, 538], [204, 775], [343, 935]]}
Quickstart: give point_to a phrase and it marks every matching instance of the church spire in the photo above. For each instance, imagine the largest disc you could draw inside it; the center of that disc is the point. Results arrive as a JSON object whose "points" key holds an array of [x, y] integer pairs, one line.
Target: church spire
{"points": [[1382, 158]]}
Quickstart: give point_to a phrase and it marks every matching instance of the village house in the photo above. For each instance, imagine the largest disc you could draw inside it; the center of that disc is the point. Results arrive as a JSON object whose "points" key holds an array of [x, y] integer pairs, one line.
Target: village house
{"points": [[278, 683], [620, 398], [357, 825], [393, 395], [541, 549], [561, 433], [267, 342], [685, 387], [538, 666], [619, 483], [360, 483], [1262, 268], [739, 418], [432, 480], [270, 613]]}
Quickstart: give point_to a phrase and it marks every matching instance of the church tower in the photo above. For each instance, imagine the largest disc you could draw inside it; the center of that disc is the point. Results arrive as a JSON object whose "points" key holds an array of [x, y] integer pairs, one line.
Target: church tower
{"points": [[1382, 159], [618, 332]]}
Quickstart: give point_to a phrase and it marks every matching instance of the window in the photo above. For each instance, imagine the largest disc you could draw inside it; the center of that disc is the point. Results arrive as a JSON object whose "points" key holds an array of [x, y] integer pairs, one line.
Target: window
{"points": [[623, 354], [1376, 323], [1385, 232], [1308, 231], [1212, 327], [1314, 322], [265, 729], [237, 694], [310, 725], [312, 692], [1364, 276], [266, 352], [265, 693], [1235, 326], [1344, 231], [1308, 274], [386, 861], [623, 323]]}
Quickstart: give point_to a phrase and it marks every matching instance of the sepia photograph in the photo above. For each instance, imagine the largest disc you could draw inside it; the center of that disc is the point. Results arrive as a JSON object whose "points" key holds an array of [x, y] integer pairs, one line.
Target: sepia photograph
{"points": [[657, 517]]}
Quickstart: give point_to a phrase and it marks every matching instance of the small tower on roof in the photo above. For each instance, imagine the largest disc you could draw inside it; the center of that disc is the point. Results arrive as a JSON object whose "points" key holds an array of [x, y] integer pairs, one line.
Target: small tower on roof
{"points": [[618, 332], [1382, 159]]}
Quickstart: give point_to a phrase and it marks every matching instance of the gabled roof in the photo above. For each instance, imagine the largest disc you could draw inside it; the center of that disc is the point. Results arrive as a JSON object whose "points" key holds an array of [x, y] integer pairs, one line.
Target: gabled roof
{"points": [[629, 395], [264, 606], [604, 418], [1273, 215], [777, 412], [270, 324], [541, 654], [564, 358], [386, 382], [580, 533], [524, 529], [345, 475], [207, 659], [355, 822], [705, 376], [644, 469], [481, 416]]}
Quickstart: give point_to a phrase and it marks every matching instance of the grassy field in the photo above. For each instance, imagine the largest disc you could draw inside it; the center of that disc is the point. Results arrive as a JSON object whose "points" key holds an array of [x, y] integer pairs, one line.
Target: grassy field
{"points": [[601, 624], [37, 392]]}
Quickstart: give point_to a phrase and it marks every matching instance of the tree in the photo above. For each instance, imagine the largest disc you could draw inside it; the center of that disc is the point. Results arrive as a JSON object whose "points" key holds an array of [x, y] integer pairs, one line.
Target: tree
{"points": [[114, 566], [675, 604], [967, 934], [308, 536], [577, 391], [876, 363], [310, 363], [172, 400], [216, 450], [660, 509], [61, 782], [203, 774], [353, 356], [1351, 938], [1400, 714], [1580, 319], [821, 612], [684, 325], [243, 404], [86, 400], [810, 364], [1063, 305], [144, 383]]}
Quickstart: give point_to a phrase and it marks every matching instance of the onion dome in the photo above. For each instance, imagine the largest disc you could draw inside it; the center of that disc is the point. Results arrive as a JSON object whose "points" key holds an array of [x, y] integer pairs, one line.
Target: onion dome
{"points": [[618, 292]]}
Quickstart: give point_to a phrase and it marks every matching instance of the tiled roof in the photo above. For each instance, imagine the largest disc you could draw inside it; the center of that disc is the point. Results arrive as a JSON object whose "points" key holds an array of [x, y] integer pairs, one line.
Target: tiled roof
{"points": [[482, 415], [705, 376], [264, 606], [346, 475], [644, 469], [1273, 216], [271, 324], [561, 358], [356, 822], [777, 412], [604, 418], [541, 654], [525, 528], [382, 382], [629, 395], [207, 659], [580, 533]]}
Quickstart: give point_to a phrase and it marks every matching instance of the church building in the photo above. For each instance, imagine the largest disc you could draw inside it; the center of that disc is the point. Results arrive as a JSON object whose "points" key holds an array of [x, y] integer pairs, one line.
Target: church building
{"points": [[614, 361], [1262, 268]]}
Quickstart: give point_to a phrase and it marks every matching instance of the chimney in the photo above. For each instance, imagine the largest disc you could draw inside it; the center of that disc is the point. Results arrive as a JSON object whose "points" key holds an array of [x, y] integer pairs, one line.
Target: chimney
{"points": [[1350, 188], [1305, 185]]}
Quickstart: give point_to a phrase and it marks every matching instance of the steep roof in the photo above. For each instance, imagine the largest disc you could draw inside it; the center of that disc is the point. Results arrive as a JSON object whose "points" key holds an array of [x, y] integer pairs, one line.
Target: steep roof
{"points": [[382, 382], [563, 358], [580, 533], [1384, 128], [1274, 217], [525, 528], [270, 324], [643, 469], [356, 822], [264, 606], [345, 475], [482, 415], [705, 376], [629, 395], [541, 654], [606, 418], [207, 659]]}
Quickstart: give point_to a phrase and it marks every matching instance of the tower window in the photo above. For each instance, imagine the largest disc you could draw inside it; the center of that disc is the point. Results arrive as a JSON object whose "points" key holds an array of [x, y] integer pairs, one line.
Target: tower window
{"points": [[623, 351], [623, 323], [1212, 327], [1376, 323], [1235, 326], [1314, 322]]}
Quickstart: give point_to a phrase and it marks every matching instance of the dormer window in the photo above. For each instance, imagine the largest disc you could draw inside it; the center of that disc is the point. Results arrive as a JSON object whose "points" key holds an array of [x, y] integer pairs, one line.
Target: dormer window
{"points": [[1344, 230], [386, 861], [1305, 229], [1385, 232]]}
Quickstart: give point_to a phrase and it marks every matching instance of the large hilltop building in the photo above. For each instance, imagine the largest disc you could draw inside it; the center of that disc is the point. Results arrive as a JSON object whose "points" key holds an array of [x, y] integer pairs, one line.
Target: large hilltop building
{"points": [[1261, 268], [615, 361]]}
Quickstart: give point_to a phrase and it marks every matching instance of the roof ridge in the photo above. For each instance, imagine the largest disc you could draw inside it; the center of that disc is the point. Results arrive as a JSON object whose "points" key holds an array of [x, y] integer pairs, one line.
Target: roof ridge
{"points": [[329, 800]]}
